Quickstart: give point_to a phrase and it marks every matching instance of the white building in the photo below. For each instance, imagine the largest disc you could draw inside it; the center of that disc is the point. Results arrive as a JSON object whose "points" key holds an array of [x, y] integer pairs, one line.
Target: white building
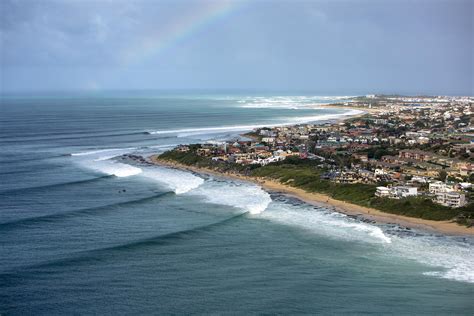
{"points": [[451, 199], [423, 140], [379, 172], [419, 179], [439, 187], [403, 191], [397, 192], [268, 139], [382, 192], [266, 161]]}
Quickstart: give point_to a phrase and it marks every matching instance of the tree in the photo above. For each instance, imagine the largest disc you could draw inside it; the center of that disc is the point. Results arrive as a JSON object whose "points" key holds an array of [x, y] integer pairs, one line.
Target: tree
{"points": [[419, 124], [442, 175]]}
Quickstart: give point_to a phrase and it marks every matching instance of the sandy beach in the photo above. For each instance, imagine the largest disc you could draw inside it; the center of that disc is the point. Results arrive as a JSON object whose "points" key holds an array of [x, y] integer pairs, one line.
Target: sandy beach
{"points": [[445, 227]]}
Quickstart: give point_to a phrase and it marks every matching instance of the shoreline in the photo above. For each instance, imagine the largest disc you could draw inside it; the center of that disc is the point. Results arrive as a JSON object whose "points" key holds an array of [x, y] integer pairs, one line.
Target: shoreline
{"points": [[318, 199]]}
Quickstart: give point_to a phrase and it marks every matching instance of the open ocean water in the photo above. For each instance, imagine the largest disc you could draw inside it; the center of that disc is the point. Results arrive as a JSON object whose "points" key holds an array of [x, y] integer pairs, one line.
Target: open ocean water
{"points": [[83, 232]]}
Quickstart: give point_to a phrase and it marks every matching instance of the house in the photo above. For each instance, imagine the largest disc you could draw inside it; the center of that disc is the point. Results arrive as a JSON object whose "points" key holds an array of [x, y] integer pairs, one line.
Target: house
{"points": [[396, 192], [203, 151], [361, 157], [451, 199], [418, 155], [347, 177], [268, 139], [182, 148], [266, 161], [423, 140], [466, 170], [403, 191], [380, 172], [382, 192], [439, 187], [417, 179]]}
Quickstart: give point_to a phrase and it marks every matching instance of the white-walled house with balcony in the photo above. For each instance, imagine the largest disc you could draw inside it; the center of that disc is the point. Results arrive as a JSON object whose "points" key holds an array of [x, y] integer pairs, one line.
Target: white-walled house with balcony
{"points": [[451, 199], [396, 192]]}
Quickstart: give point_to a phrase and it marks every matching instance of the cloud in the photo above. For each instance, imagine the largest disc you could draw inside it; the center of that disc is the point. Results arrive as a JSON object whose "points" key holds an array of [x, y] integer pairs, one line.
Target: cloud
{"points": [[280, 44]]}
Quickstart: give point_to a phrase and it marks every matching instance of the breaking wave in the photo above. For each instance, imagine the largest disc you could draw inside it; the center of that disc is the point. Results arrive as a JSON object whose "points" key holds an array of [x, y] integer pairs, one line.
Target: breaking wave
{"points": [[324, 117], [197, 131], [99, 160], [185, 132], [324, 222], [116, 151], [115, 168], [178, 181], [450, 257], [289, 102], [246, 196]]}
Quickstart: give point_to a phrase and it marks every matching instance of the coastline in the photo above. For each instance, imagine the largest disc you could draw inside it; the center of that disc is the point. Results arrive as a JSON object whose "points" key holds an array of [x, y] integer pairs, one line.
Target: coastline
{"points": [[318, 199]]}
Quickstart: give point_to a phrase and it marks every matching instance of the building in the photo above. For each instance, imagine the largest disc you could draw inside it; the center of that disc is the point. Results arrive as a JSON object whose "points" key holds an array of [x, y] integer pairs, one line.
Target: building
{"points": [[361, 157], [346, 177], [268, 139], [418, 155], [382, 192], [439, 187], [451, 199], [380, 172], [182, 148], [397, 192]]}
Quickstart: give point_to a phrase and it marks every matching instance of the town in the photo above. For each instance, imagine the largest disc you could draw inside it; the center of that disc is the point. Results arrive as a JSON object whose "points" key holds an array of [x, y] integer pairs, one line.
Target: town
{"points": [[407, 146]]}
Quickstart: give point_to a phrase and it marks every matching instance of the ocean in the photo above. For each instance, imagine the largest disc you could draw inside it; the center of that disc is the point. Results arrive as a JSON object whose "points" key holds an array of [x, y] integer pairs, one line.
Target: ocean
{"points": [[86, 232]]}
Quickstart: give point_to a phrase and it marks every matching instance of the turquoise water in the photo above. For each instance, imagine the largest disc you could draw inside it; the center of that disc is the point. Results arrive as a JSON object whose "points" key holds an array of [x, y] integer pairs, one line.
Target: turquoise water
{"points": [[85, 232]]}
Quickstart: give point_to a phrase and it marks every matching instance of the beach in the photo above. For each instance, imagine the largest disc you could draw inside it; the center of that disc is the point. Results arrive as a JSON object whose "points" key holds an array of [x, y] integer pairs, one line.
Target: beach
{"points": [[318, 199]]}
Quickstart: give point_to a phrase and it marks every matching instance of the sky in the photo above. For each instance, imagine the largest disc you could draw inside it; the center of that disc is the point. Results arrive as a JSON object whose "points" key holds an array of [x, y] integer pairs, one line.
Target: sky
{"points": [[329, 47]]}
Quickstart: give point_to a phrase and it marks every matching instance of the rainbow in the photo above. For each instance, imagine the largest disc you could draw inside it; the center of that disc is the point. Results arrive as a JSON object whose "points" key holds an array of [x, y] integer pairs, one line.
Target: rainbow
{"points": [[187, 25]]}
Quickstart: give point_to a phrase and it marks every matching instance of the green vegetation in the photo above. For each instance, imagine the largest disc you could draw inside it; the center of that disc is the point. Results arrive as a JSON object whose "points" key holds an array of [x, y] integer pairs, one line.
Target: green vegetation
{"points": [[305, 174], [376, 152], [189, 158], [253, 135], [422, 208]]}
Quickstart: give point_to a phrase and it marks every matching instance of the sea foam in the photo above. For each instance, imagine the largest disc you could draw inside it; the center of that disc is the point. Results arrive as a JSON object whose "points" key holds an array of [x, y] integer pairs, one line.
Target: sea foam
{"points": [[186, 132], [114, 151], [115, 168], [449, 257], [289, 102], [178, 181], [323, 117], [452, 258], [246, 196], [100, 160], [324, 222]]}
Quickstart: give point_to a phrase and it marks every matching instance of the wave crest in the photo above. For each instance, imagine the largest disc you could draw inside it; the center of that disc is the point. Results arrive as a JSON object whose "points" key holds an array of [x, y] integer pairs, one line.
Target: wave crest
{"points": [[324, 222], [246, 196], [178, 181]]}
